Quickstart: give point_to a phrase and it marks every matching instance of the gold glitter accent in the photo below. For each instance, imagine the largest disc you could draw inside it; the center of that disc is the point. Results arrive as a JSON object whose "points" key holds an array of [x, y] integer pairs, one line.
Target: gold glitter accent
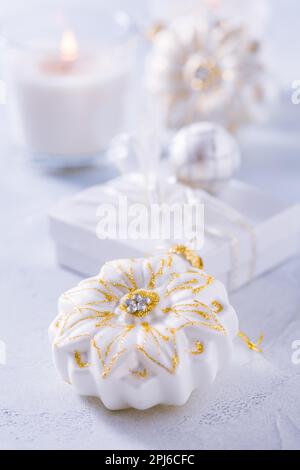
{"points": [[154, 276], [61, 340], [110, 295], [146, 326], [141, 374], [171, 370], [252, 346], [218, 307], [191, 308], [89, 305], [150, 331], [106, 316], [190, 255], [174, 359], [107, 368], [190, 285], [107, 284], [173, 276], [216, 327], [79, 362], [152, 283], [69, 299], [209, 281], [94, 304], [167, 310], [104, 322], [153, 296], [78, 337], [210, 315], [163, 337], [199, 348], [130, 276], [119, 285], [155, 334], [120, 337]]}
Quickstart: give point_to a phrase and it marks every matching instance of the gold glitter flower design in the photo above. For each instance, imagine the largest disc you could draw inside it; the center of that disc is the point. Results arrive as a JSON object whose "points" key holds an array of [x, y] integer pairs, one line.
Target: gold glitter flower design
{"points": [[140, 316]]}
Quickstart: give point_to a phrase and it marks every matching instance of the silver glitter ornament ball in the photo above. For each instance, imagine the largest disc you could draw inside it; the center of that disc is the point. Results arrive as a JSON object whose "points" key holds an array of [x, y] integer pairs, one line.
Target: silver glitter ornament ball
{"points": [[204, 155]]}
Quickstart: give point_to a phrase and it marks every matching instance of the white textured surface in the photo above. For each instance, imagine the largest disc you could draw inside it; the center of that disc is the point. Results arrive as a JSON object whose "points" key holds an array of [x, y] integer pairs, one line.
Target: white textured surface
{"points": [[257, 406]]}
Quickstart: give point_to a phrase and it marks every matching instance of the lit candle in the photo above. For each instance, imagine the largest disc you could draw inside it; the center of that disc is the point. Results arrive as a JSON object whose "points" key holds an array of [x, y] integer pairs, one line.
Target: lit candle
{"points": [[68, 104], [67, 59], [69, 47]]}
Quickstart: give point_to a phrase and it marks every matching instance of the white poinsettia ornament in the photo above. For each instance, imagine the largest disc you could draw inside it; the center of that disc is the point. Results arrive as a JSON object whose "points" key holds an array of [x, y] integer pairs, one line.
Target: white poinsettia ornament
{"points": [[144, 331], [201, 69]]}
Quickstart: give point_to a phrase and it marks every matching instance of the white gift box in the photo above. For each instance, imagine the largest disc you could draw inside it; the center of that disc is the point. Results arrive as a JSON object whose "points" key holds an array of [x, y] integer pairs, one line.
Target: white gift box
{"points": [[246, 232]]}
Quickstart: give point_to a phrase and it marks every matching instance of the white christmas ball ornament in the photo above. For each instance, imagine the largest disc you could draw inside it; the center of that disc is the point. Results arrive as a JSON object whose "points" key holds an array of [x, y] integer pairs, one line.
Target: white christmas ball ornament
{"points": [[144, 331], [204, 155]]}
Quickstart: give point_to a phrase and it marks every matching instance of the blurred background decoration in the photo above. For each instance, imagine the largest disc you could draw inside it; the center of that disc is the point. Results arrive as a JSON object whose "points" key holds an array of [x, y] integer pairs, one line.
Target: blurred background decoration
{"points": [[73, 87], [208, 68], [255, 13]]}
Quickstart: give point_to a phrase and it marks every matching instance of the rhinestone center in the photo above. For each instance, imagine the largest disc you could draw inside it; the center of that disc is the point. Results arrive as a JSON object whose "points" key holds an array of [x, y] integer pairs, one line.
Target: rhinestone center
{"points": [[201, 74], [140, 302]]}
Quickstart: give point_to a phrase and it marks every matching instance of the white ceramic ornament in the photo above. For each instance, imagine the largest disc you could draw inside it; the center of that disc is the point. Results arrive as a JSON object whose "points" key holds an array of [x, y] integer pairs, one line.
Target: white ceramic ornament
{"points": [[204, 155], [208, 69], [144, 331]]}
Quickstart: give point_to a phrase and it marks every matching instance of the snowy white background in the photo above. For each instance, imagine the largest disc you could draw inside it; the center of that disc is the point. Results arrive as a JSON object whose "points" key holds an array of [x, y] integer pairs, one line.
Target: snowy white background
{"points": [[257, 406]]}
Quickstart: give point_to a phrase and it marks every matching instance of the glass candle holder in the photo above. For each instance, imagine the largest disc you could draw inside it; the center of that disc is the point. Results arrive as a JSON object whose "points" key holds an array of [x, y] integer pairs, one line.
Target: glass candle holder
{"points": [[68, 81]]}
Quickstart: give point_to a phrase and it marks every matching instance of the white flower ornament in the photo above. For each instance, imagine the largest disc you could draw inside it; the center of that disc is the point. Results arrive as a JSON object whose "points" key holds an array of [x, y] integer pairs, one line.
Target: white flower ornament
{"points": [[203, 70], [144, 331]]}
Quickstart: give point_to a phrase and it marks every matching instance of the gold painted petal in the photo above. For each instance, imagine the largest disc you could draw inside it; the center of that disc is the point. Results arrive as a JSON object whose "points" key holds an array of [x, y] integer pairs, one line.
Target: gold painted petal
{"points": [[195, 314], [158, 345], [123, 276], [70, 330], [90, 296], [188, 284], [110, 345], [213, 326], [154, 272], [159, 270]]}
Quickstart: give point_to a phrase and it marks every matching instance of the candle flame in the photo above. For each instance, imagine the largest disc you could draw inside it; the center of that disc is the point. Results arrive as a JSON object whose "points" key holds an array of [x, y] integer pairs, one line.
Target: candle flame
{"points": [[214, 4], [69, 47]]}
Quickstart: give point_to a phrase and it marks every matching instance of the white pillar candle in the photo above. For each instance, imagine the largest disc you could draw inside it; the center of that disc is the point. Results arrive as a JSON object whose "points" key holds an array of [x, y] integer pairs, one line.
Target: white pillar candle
{"points": [[70, 103]]}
